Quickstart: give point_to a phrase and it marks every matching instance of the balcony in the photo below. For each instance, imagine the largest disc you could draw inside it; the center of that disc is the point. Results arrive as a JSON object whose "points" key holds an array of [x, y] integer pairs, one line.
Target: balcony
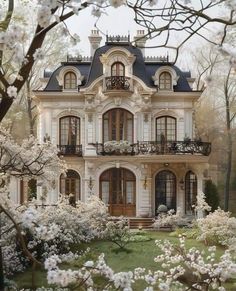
{"points": [[155, 148], [70, 150], [117, 83]]}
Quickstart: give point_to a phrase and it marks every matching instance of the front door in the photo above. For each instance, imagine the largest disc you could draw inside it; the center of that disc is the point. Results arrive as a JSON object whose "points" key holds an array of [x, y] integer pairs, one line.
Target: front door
{"points": [[117, 190]]}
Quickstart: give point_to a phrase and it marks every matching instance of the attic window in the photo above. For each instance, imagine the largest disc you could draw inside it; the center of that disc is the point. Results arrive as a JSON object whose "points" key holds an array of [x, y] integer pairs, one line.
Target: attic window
{"points": [[118, 69], [70, 81], [165, 81]]}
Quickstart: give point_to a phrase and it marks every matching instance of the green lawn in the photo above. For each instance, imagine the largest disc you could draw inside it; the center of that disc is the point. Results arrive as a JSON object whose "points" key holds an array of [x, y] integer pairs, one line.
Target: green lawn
{"points": [[141, 254]]}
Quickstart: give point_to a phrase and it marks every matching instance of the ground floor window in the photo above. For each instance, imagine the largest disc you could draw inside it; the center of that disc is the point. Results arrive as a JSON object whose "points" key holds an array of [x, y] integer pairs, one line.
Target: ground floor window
{"points": [[118, 190], [70, 185], [190, 191], [165, 189]]}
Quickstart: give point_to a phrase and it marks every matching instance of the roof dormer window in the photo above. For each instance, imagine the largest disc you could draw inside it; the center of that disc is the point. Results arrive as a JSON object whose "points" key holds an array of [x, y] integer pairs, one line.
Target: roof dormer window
{"points": [[118, 69], [70, 81], [165, 81], [165, 78]]}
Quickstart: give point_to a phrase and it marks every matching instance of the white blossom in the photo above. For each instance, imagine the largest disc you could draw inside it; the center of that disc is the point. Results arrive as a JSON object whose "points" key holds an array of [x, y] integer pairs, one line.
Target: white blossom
{"points": [[38, 55], [12, 91]]}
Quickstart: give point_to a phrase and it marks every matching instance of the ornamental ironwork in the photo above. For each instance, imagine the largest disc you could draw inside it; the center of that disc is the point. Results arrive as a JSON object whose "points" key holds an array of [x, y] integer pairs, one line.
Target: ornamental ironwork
{"points": [[157, 148], [117, 83], [70, 150]]}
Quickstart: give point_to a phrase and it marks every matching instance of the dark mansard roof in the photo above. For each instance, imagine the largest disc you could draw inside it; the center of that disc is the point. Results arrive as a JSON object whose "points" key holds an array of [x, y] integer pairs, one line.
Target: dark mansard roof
{"points": [[93, 69]]}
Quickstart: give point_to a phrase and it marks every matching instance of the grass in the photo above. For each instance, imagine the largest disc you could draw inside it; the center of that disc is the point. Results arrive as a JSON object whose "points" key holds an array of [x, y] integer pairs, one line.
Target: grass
{"points": [[140, 254]]}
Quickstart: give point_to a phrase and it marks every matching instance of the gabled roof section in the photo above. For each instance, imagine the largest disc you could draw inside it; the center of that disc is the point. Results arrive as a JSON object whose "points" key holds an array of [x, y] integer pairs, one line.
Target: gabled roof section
{"points": [[144, 70]]}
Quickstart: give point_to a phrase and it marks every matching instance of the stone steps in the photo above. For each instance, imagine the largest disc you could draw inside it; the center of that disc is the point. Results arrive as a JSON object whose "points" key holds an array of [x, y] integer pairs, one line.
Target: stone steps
{"points": [[141, 223]]}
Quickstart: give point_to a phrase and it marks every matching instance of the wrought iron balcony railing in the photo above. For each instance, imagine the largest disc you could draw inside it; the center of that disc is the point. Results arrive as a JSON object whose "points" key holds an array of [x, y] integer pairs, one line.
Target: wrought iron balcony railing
{"points": [[70, 150], [157, 148], [117, 83]]}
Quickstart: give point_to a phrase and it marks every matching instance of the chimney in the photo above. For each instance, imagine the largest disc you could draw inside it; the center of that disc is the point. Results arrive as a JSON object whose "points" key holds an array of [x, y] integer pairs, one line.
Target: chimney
{"points": [[95, 40], [140, 40]]}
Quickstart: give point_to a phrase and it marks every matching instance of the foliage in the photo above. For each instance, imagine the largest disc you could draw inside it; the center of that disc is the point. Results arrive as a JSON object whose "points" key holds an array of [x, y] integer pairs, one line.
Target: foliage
{"points": [[51, 230], [212, 196], [162, 208], [217, 228], [118, 232], [181, 268], [201, 205]]}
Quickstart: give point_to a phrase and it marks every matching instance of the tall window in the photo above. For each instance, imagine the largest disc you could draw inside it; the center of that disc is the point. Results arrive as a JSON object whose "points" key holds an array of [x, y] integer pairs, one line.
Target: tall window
{"points": [[118, 125], [165, 81], [165, 189], [70, 130], [70, 184], [166, 128], [70, 81], [190, 191], [118, 69]]}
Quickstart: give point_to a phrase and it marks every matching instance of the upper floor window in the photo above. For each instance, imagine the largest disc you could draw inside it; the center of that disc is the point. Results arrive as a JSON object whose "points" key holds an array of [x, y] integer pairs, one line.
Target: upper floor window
{"points": [[165, 128], [165, 81], [70, 81], [118, 125], [69, 130], [118, 69]]}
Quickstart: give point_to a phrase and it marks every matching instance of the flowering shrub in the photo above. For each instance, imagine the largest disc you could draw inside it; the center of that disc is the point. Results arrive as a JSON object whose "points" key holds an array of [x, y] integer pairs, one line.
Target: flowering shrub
{"points": [[201, 205], [169, 219], [118, 232], [52, 230], [120, 146], [217, 228]]}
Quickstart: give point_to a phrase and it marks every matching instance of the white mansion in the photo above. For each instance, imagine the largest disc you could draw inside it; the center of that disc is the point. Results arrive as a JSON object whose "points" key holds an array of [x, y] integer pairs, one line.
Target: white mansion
{"points": [[124, 124]]}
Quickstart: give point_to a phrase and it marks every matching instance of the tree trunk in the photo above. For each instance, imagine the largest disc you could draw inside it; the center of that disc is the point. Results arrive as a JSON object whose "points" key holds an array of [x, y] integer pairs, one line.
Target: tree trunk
{"points": [[29, 109], [1, 262], [228, 171], [229, 154]]}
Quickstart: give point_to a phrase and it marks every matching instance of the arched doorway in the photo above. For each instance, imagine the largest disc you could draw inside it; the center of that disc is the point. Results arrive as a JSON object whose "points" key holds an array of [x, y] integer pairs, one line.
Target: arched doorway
{"points": [[118, 191], [70, 184], [165, 189], [190, 191]]}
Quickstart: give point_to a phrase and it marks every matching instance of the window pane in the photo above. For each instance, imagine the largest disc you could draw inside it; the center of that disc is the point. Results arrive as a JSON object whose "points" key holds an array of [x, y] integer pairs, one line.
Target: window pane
{"points": [[129, 192], [105, 192], [69, 131], [165, 81], [165, 129], [70, 81], [190, 191], [118, 125]]}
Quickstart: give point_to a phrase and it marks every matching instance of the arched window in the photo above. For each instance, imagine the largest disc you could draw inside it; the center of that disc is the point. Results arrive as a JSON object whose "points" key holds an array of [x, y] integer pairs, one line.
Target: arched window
{"points": [[165, 189], [69, 131], [70, 81], [117, 189], [190, 191], [165, 81], [118, 69], [166, 128], [118, 125], [70, 184]]}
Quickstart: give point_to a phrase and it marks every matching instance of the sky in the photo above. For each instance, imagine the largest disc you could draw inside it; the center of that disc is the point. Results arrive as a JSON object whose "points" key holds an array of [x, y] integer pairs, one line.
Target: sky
{"points": [[119, 21]]}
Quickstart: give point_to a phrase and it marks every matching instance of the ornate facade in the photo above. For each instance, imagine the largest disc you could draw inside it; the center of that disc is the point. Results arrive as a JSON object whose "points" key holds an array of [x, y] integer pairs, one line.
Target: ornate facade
{"points": [[124, 124]]}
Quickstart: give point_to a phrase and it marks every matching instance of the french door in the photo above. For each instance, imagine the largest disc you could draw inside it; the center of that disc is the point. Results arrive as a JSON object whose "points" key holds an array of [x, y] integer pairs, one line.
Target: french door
{"points": [[118, 191], [118, 125]]}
